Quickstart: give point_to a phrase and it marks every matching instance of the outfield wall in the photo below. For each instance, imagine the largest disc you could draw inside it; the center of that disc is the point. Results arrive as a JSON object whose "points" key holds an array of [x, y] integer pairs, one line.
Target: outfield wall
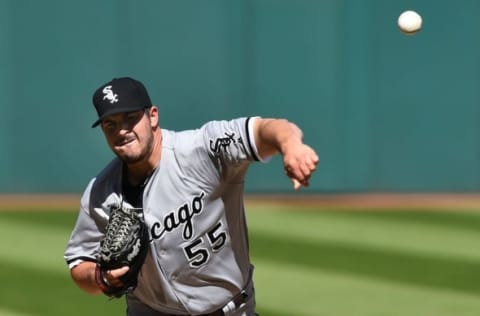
{"points": [[386, 112]]}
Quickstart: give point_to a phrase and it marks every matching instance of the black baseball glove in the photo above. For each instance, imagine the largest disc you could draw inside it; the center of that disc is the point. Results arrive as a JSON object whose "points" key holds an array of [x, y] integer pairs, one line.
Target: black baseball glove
{"points": [[125, 243]]}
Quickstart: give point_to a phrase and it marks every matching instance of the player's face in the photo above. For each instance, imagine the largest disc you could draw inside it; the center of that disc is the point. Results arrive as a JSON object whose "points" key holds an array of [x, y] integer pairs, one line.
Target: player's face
{"points": [[129, 135]]}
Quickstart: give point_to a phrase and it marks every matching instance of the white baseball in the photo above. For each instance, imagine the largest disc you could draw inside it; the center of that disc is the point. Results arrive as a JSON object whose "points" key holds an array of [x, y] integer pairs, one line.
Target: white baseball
{"points": [[410, 22]]}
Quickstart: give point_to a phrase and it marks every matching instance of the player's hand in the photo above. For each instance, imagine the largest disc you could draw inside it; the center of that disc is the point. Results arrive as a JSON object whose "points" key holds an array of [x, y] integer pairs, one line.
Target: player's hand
{"points": [[112, 276], [300, 161]]}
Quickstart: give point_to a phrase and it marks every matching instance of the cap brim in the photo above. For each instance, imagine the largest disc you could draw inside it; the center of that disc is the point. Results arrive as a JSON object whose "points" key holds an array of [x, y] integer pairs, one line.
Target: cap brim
{"points": [[116, 111], [96, 123]]}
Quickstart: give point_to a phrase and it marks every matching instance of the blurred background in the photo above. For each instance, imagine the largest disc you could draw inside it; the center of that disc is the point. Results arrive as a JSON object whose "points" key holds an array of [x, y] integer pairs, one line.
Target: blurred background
{"points": [[385, 111]]}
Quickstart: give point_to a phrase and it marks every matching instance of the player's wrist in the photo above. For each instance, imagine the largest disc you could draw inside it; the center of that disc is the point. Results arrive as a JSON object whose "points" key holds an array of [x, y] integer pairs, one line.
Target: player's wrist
{"points": [[106, 286], [101, 280]]}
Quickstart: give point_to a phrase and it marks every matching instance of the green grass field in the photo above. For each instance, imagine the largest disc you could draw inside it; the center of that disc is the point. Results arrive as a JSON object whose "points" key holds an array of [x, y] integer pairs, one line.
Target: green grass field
{"points": [[308, 263]]}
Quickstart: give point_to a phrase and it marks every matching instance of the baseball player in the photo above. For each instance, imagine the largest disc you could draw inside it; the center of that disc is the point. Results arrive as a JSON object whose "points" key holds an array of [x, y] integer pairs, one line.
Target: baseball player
{"points": [[190, 185]]}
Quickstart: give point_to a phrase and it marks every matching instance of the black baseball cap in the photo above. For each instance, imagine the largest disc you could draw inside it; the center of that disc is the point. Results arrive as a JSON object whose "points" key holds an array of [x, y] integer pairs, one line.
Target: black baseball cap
{"points": [[118, 96]]}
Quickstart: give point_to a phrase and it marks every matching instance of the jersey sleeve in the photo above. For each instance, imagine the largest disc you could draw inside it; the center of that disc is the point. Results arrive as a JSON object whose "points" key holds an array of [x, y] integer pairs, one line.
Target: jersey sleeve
{"points": [[85, 237], [231, 141]]}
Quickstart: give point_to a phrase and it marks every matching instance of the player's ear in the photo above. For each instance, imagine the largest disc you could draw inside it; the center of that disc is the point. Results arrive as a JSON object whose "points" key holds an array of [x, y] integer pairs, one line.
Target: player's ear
{"points": [[153, 115]]}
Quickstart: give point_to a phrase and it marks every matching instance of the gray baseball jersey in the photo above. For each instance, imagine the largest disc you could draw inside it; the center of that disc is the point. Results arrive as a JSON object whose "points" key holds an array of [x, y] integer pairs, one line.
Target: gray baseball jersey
{"points": [[194, 208]]}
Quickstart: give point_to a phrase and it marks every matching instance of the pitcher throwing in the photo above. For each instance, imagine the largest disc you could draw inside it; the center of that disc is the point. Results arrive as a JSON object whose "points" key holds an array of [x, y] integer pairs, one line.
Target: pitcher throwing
{"points": [[186, 189]]}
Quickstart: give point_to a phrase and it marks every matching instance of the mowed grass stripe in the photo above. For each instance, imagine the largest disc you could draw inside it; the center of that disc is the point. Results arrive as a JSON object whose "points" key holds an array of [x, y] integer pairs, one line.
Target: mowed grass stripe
{"points": [[43, 293], [462, 219], [4, 312], [454, 218], [327, 254], [33, 246], [286, 289], [388, 265], [53, 219], [381, 231]]}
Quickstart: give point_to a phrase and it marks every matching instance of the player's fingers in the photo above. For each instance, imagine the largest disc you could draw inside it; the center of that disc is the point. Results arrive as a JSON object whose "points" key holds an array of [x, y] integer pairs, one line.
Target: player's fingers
{"points": [[290, 173], [119, 272], [311, 159], [307, 160], [298, 179], [113, 275], [305, 168], [314, 156], [300, 167], [309, 164]]}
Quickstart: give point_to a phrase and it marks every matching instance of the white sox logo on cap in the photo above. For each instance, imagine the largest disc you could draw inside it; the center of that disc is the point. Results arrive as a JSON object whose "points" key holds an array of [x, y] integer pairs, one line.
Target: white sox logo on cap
{"points": [[109, 95], [133, 97]]}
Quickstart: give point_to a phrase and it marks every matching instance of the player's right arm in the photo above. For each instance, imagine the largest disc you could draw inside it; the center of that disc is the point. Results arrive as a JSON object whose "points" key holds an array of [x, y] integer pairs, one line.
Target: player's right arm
{"points": [[281, 136]]}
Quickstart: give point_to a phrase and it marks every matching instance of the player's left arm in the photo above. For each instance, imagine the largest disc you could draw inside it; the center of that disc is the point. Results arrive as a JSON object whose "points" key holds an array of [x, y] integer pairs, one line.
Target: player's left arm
{"points": [[282, 136], [84, 275]]}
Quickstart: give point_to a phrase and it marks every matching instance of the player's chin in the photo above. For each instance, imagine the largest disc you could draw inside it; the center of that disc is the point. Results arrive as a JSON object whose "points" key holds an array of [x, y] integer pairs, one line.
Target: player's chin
{"points": [[130, 159], [128, 155]]}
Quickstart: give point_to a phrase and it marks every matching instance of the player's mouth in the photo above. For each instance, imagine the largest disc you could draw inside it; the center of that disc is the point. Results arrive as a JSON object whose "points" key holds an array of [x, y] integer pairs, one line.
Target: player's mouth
{"points": [[124, 142]]}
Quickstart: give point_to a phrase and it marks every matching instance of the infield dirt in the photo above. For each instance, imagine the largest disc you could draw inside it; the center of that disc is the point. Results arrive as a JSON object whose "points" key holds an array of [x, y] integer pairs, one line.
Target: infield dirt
{"points": [[380, 201]]}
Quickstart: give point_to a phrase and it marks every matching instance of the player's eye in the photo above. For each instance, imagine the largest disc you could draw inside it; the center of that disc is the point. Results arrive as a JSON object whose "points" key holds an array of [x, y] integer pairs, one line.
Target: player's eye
{"points": [[125, 121], [134, 117], [108, 125]]}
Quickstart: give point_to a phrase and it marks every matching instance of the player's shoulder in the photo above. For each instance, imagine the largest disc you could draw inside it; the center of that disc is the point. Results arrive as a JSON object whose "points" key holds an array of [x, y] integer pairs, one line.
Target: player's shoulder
{"points": [[108, 180], [193, 137], [113, 167], [239, 122], [171, 138], [110, 175]]}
